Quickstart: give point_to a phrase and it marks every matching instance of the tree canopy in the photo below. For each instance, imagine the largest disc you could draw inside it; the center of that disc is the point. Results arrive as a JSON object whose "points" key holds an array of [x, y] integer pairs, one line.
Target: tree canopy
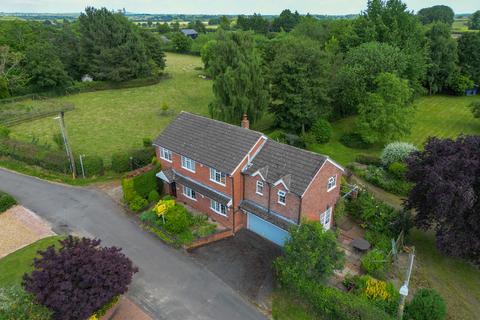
{"points": [[469, 55], [446, 195], [386, 114], [439, 13], [239, 82], [474, 23]]}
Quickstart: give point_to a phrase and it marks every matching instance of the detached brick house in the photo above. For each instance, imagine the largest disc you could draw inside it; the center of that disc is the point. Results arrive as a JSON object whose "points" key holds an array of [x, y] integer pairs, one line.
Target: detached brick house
{"points": [[243, 179]]}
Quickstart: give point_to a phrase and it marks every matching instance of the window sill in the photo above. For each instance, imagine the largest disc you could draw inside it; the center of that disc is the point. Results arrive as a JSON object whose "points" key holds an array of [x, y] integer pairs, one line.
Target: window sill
{"points": [[219, 213], [332, 188], [189, 170], [194, 199], [219, 183], [170, 161]]}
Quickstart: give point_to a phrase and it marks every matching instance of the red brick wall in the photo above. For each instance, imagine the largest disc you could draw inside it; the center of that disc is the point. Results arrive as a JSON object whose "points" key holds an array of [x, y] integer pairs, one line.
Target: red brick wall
{"points": [[290, 210], [202, 204], [317, 199]]}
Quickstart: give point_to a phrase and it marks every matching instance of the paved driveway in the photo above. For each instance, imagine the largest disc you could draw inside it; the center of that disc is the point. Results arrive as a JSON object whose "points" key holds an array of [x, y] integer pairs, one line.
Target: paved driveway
{"points": [[170, 284], [244, 262]]}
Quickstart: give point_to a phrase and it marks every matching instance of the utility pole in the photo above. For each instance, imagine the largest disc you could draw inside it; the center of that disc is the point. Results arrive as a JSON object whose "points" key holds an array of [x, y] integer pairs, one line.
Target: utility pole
{"points": [[81, 164], [404, 288], [68, 150]]}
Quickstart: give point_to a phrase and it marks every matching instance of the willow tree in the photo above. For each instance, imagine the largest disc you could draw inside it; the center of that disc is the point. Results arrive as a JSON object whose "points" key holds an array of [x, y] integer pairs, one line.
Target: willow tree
{"points": [[239, 85]]}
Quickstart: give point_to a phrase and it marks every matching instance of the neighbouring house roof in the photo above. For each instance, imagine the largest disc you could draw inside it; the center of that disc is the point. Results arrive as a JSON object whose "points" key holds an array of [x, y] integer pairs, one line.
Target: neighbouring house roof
{"points": [[293, 166], [272, 217], [217, 144], [189, 32], [170, 175]]}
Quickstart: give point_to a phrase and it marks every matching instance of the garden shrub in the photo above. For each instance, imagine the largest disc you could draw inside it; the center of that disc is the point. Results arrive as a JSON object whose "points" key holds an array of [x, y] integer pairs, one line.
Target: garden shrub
{"points": [[34, 154], [427, 304], [368, 160], [396, 152], [322, 130], [142, 157], [308, 139], [294, 140], [381, 293], [149, 217], [475, 107], [398, 170], [340, 211], [279, 136], [146, 182], [120, 162], [138, 203], [354, 140], [16, 303], [387, 181], [147, 142], [4, 132], [379, 240], [93, 166], [168, 197], [6, 202], [459, 84], [105, 273], [153, 196], [128, 190], [206, 230], [375, 263], [176, 219]]}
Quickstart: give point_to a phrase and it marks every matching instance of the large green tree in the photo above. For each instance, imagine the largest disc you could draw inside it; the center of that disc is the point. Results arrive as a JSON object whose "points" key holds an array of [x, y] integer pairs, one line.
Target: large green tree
{"points": [[111, 47], [286, 21], [362, 66], [239, 83], [299, 83], [12, 76], [439, 13], [256, 23], [469, 55], [474, 23], [443, 57], [386, 114], [45, 69]]}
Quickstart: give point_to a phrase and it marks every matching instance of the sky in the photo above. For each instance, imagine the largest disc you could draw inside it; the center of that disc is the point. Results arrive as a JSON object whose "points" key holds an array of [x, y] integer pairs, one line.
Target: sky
{"points": [[330, 7]]}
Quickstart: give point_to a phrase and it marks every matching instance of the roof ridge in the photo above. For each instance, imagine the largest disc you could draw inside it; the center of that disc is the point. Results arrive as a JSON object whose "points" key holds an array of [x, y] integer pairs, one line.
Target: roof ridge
{"points": [[222, 122]]}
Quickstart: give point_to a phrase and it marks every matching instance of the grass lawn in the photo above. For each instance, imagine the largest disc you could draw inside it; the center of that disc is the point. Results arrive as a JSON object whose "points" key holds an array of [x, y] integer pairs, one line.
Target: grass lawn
{"points": [[457, 281], [286, 306], [13, 266], [108, 121], [441, 116]]}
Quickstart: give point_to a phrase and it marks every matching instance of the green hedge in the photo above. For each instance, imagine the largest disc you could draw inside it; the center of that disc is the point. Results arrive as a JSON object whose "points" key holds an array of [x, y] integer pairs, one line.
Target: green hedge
{"points": [[133, 159], [93, 166], [36, 155], [334, 304], [6, 202], [146, 182]]}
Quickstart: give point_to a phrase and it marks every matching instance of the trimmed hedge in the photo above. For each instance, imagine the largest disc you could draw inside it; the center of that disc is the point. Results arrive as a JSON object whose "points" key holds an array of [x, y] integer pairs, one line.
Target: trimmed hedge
{"points": [[145, 183], [35, 155], [93, 166], [128, 190], [121, 162], [6, 202]]}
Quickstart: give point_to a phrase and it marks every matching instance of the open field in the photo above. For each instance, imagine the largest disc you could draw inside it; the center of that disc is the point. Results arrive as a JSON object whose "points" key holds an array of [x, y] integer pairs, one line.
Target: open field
{"points": [[441, 116], [104, 122], [13, 266]]}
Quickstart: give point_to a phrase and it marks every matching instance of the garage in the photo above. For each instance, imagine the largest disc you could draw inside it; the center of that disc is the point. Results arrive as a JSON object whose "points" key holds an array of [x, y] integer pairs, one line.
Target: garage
{"points": [[267, 230]]}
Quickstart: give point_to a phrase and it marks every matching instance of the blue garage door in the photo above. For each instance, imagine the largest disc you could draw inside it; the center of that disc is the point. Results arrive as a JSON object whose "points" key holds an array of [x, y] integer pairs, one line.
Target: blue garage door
{"points": [[267, 230]]}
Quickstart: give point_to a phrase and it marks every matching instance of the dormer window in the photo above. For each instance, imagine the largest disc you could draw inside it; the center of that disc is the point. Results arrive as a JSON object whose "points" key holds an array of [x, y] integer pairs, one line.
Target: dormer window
{"points": [[217, 176], [259, 188], [282, 197], [188, 164], [332, 183], [166, 154]]}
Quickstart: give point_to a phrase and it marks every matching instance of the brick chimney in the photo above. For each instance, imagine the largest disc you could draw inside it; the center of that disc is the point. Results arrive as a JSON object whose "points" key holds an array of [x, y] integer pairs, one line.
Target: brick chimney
{"points": [[245, 123]]}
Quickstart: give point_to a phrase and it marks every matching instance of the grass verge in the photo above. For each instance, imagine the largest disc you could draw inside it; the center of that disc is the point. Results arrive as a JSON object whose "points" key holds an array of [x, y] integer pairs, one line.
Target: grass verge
{"points": [[13, 266]]}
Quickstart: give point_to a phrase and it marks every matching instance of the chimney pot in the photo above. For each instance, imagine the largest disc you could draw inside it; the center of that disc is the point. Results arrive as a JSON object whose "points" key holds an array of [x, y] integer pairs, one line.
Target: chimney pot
{"points": [[245, 122]]}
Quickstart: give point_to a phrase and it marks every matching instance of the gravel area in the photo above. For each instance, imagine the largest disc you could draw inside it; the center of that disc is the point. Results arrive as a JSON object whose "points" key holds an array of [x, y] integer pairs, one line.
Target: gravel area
{"points": [[21, 227]]}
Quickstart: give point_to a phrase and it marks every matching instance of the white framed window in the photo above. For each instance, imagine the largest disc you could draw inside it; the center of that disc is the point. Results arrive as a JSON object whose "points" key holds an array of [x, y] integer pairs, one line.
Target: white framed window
{"points": [[217, 176], [325, 218], [218, 208], [282, 197], [332, 183], [259, 188], [188, 164], [166, 154], [189, 193]]}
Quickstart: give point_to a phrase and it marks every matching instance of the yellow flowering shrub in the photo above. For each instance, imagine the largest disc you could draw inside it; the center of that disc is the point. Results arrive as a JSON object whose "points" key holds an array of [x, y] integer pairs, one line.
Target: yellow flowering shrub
{"points": [[376, 289]]}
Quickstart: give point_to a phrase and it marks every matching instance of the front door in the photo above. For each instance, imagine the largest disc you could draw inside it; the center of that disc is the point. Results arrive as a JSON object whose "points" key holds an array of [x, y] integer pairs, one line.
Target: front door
{"points": [[173, 189]]}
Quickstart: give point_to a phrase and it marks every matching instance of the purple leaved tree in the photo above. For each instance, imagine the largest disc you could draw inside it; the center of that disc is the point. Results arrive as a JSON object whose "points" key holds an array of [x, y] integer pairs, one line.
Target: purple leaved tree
{"points": [[79, 278], [446, 195]]}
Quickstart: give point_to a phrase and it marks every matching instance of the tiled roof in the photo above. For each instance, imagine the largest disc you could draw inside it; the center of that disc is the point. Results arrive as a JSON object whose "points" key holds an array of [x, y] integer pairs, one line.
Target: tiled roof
{"points": [[213, 143], [263, 213], [296, 167]]}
